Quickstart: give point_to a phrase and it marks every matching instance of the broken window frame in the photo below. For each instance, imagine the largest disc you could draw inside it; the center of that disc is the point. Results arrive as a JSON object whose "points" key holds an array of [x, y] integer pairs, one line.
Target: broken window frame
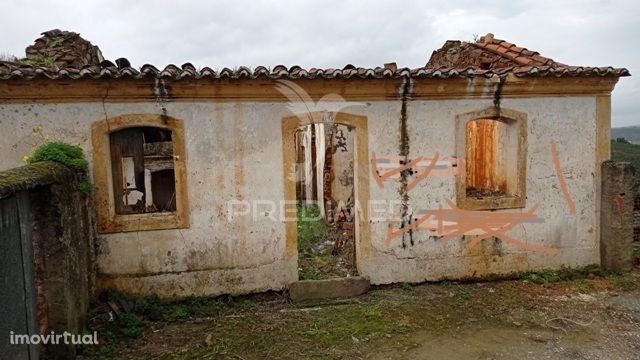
{"points": [[109, 220], [515, 196], [137, 162]]}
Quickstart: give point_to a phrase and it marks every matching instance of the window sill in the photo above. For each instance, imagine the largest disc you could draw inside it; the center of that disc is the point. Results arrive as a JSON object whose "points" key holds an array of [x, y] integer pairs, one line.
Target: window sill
{"points": [[143, 222], [491, 202]]}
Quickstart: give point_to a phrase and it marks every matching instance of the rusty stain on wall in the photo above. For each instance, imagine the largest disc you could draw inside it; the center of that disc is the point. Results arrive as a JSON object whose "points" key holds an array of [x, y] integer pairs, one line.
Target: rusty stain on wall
{"points": [[619, 200], [404, 150], [497, 95], [482, 164]]}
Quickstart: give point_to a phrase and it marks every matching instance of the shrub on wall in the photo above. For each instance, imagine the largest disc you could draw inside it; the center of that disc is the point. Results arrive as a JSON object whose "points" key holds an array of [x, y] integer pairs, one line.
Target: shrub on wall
{"points": [[69, 155]]}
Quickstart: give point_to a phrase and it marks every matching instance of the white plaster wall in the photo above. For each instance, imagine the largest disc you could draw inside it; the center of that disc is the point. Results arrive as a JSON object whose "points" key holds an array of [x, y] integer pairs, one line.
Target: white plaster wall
{"points": [[234, 152], [569, 121]]}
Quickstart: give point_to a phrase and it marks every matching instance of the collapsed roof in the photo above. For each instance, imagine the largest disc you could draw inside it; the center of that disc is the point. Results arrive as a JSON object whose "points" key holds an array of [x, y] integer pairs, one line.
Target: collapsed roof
{"points": [[62, 54]]}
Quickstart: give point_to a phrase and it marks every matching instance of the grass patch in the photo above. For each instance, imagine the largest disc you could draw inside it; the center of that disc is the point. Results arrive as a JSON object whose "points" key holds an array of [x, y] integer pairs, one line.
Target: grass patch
{"points": [[624, 282], [312, 230], [317, 257], [43, 61], [147, 313], [55, 41], [386, 318], [564, 274], [406, 286], [310, 274], [461, 294], [545, 276]]}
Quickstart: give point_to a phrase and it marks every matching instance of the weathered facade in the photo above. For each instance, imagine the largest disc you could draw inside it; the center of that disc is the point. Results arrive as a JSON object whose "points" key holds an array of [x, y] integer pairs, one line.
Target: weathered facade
{"points": [[229, 225]]}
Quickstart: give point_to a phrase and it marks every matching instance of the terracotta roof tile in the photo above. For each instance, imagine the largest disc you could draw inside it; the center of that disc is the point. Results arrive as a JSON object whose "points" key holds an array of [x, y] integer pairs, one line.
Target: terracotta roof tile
{"points": [[523, 60], [520, 55], [517, 49], [491, 55], [281, 72], [494, 47], [506, 44]]}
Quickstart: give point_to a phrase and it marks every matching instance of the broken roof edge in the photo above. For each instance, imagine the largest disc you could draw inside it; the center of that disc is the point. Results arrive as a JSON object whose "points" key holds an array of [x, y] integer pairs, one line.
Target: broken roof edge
{"points": [[491, 54], [485, 57]]}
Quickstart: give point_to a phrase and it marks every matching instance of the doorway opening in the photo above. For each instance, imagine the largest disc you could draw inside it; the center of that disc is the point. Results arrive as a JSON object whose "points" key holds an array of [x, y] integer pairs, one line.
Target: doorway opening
{"points": [[325, 197]]}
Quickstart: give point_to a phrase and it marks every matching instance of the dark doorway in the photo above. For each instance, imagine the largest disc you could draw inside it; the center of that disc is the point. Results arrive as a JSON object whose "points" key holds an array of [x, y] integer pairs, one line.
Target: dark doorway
{"points": [[325, 158]]}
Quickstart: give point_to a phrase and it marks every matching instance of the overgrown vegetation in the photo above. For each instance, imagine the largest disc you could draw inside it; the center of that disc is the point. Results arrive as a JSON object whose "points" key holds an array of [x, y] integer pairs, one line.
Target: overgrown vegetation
{"points": [[578, 278], [626, 151], [406, 286], [55, 41], [68, 155], [564, 274], [312, 231], [388, 318], [461, 294], [318, 258], [43, 61], [135, 315]]}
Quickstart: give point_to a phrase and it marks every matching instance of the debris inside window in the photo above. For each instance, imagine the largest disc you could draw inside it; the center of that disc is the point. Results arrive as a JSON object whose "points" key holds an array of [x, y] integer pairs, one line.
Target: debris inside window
{"points": [[143, 170], [325, 194]]}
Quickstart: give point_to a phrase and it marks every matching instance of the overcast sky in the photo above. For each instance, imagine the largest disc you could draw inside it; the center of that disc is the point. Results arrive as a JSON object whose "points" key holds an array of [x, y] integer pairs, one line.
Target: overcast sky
{"points": [[331, 33]]}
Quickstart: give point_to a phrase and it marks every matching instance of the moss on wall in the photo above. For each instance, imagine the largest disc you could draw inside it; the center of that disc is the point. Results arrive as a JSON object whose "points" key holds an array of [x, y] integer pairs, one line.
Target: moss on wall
{"points": [[33, 175]]}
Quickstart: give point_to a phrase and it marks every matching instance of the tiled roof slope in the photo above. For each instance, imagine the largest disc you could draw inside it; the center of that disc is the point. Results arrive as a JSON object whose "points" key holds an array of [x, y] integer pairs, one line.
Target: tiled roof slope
{"points": [[486, 57], [491, 54]]}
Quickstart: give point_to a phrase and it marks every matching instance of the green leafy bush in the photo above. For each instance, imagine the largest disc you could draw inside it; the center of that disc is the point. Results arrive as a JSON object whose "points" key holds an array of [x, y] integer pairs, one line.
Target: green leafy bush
{"points": [[69, 155]]}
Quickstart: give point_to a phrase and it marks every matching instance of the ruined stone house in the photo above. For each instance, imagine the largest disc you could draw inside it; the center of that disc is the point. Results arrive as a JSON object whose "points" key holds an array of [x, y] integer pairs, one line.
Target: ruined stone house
{"points": [[486, 161]]}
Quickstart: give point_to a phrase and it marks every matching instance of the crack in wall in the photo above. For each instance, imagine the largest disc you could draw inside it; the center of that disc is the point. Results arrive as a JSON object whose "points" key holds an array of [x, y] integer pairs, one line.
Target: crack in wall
{"points": [[104, 106]]}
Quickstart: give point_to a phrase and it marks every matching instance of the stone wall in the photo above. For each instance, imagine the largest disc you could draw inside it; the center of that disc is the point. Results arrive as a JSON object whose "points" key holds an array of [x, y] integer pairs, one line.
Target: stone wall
{"points": [[636, 228], [62, 229], [617, 215]]}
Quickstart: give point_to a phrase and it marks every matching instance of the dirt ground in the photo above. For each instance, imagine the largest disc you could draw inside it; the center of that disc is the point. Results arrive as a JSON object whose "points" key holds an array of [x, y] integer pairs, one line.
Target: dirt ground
{"points": [[592, 317]]}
